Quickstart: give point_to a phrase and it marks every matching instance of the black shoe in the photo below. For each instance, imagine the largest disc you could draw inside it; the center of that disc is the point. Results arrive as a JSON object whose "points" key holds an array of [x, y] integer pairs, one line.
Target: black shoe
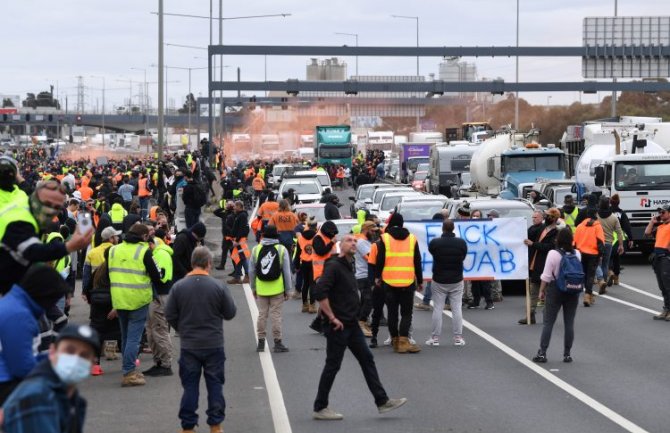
{"points": [[489, 306], [157, 371], [472, 306], [540, 358], [279, 347], [231, 274], [261, 345], [373, 343], [524, 322], [567, 358]]}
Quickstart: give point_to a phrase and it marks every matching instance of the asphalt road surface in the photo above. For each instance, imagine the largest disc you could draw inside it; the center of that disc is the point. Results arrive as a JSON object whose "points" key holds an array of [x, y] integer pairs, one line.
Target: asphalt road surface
{"points": [[618, 381]]}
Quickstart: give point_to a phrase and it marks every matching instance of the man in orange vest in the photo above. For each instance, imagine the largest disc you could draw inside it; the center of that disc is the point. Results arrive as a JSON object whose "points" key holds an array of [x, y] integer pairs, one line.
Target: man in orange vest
{"points": [[240, 252], [144, 193], [661, 264], [590, 241], [340, 177], [304, 258], [265, 212], [258, 184], [323, 247], [399, 271]]}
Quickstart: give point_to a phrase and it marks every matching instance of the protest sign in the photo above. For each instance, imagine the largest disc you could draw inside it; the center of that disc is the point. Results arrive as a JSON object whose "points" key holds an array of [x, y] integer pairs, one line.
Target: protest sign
{"points": [[495, 246]]}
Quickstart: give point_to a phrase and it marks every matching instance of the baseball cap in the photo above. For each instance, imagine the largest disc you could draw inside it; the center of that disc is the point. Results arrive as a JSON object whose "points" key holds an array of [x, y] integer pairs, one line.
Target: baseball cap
{"points": [[665, 207], [83, 333], [369, 225], [108, 232]]}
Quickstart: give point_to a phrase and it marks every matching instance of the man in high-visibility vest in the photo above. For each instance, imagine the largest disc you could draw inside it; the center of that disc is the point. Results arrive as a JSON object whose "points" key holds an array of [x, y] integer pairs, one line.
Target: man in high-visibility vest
{"points": [[399, 271], [590, 241], [240, 252], [9, 180], [258, 184], [21, 226], [158, 331], [132, 271], [117, 213], [570, 212], [323, 246], [659, 228], [144, 193], [270, 280]]}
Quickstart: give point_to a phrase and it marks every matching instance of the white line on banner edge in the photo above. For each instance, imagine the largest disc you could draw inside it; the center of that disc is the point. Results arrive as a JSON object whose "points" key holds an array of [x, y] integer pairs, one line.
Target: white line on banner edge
{"points": [[560, 383], [277, 406]]}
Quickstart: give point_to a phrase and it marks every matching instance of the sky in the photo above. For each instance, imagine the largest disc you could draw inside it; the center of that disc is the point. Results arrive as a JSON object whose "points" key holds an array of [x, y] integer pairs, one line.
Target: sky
{"points": [[55, 42]]}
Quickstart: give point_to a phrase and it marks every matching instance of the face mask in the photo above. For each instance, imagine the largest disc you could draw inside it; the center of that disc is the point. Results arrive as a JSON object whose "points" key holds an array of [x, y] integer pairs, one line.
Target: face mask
{"points": [[548, 221], [72, 369], [43, 214]]}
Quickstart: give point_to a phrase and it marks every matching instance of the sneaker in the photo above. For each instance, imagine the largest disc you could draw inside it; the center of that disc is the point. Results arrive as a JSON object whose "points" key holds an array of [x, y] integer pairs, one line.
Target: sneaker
{"points": [[422, 307], [459, 341], [472, 306], [158, 371], [96, 370], [540, 358], [279, 347], [524, 321], [261, 345], [411, 340], [391, 404], [489, 306], [133, 378], [387, 342], [433, 341], [662, 316], [383, 322], [327, 414], [567, 358]]}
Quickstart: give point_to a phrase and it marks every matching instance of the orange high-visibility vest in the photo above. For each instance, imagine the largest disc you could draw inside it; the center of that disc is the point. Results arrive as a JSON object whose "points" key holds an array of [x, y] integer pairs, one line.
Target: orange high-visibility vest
{"points": [[143, 191], [398, 270], [258, 184], [153, 211], [372, 255], [662, 236], [586, 237], [319, 261], [306, 249], [241, 248], [268, 209]]}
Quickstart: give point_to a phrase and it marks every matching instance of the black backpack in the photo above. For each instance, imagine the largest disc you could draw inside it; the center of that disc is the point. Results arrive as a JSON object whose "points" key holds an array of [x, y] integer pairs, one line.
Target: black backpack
{"points": [[268, 262]]}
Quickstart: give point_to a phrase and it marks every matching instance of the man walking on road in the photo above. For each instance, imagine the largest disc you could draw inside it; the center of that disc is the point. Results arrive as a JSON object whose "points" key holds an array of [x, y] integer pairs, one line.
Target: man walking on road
{"points": [[661, 263], [270, 279], [197, 306], [399, 271], [337, 293]]}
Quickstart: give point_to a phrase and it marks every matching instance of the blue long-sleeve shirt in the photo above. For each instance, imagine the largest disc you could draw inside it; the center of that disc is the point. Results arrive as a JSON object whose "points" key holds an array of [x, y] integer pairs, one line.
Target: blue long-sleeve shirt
{"points": [[19, 334]]}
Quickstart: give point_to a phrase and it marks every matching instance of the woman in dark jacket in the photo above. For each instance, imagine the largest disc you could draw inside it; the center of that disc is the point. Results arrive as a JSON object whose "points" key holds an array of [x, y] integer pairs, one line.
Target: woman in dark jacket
{"points": [[615, 263]]}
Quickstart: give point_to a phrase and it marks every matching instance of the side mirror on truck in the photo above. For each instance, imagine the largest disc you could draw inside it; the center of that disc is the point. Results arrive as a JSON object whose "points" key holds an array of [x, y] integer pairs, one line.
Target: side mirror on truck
{"points": [[599, 175]]}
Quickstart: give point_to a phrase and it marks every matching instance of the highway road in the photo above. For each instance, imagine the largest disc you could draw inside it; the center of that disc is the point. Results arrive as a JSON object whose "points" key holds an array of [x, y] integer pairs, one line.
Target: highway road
{"points": [[618, 381]]}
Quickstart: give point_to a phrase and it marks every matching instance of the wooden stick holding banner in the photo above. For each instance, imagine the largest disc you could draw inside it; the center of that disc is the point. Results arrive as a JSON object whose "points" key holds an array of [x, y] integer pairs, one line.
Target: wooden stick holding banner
{"points": [[528, 302]]}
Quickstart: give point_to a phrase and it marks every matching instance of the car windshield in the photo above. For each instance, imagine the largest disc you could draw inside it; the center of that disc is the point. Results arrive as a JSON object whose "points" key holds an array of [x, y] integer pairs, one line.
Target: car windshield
{"points": [[642, 175], [379, 194], [344, 227], [420, 175], [335, 152], [413, 163], [423, 210], [302, 188], [278, 170], [389, 203], [364, 193], [313, 211], [532, 163], [324, 179]]}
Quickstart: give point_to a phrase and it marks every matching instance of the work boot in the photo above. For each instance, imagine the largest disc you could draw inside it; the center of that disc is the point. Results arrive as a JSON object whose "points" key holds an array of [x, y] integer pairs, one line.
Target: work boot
{"points": [[261, 345], [215, 428], [312, 309], [158, 370], [365, 328], [187, 430], [245, 280], [587, 299], [234, 281], [602, 287], [615, 280], [133, 378], [279, 347], [610, 278], [305, 307], [525, 322], [412, 347], [220, 266], [110, 350], [402, 346], [394, 343]]}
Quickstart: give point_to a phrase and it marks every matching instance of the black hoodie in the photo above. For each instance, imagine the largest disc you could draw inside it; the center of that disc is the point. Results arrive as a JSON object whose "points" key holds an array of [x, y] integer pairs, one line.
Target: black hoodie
{"points": [[398, 233], [241, 225]]}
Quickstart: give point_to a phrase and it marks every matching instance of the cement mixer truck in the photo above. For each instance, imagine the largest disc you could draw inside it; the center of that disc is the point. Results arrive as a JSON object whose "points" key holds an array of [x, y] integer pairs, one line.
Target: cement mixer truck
{"points": [[509, 163], [625, 160]]}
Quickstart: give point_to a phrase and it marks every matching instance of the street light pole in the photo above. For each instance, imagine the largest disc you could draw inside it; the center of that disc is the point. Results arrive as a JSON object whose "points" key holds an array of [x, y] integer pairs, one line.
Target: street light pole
{"points": [[417, 36], [161, 62], [516, 97], [356, 36], [613, 113]]}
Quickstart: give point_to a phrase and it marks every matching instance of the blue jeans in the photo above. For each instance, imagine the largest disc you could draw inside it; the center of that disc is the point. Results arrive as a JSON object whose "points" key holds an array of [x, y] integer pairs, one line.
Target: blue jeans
{"points": [[132, 325], [192, 363], [237, 271], [144, 207], [337, 343], [605, 264]]}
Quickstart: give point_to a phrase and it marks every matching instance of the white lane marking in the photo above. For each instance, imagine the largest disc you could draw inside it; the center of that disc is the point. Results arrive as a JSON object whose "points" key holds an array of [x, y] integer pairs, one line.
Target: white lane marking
{"points": [[277, 406], [629, 304], [640, 291], [579, 395]]}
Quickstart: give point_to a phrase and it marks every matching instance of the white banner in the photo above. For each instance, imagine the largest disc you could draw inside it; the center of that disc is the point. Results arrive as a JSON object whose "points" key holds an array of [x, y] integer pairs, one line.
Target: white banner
{"points": [[495, 247]]}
